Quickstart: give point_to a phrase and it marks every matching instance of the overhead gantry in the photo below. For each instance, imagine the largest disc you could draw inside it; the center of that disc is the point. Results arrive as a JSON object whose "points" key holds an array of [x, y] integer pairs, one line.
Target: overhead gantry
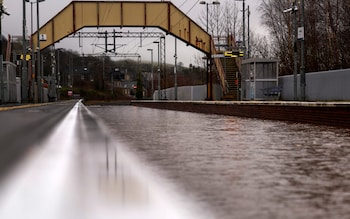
{"points": [[163, 15]]}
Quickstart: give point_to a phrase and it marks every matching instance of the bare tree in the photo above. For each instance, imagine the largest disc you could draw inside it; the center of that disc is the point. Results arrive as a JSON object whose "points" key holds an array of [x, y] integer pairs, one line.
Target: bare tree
{"points": [[260, 46], [281, 31], [326, 33], [223, 20], [230, 21]]}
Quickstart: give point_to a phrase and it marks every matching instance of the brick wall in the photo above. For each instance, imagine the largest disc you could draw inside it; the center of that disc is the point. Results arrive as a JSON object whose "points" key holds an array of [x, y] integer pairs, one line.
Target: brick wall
{"points": [[331, 114]]}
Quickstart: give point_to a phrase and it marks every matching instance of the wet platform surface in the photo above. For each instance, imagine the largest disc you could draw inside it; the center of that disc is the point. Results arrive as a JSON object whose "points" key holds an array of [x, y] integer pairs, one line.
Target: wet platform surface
{"points": [[137, 162], [242, 167], [80, 171]]}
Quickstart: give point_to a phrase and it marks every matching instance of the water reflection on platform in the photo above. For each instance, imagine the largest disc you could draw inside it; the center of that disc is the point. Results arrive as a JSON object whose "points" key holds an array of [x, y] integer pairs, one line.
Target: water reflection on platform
{"points": [[80, 171], [239, 167]]}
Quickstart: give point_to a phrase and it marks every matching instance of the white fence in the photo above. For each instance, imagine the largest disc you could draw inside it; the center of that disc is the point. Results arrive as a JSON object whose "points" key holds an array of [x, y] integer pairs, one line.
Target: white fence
{"points": [[9, 85], [194, 93], [320, 86]]}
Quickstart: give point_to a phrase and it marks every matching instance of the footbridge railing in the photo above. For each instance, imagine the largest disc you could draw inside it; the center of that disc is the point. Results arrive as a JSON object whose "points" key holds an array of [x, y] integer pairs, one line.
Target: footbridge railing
{"points": [[219, 68]]}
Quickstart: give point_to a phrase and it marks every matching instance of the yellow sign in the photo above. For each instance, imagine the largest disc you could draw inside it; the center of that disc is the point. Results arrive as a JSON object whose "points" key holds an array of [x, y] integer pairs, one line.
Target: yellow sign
{"points": [[234, 54], [28, 57]]}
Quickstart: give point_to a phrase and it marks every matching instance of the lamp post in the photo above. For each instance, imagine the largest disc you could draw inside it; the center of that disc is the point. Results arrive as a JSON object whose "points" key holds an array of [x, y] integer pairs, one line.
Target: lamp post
{"points": [[31, 43], [209, 74], [302, 48], [152, 82], [159, 92], [248, 46], [58, 75], [52, 78], [39, 74], [293, 10], [24, 80], [207, 6], [243, 5], [32, 50], [175, 70]]}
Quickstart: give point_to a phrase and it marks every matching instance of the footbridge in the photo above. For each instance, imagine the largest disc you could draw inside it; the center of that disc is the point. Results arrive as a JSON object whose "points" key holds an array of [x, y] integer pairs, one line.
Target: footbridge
{"points": [[163, 15]]}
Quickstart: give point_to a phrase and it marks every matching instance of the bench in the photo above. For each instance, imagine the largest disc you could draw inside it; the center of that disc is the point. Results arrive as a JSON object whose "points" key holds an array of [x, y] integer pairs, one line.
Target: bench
{"points": [[272, 91]]}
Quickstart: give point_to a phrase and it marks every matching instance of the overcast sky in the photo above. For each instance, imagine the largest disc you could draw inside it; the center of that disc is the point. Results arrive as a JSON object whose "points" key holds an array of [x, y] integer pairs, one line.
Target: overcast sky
{"points": [[49, 8]]}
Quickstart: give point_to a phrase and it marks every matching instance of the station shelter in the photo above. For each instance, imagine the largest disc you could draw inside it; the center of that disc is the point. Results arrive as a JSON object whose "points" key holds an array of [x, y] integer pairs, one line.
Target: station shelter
{"points": [[260, 79]]}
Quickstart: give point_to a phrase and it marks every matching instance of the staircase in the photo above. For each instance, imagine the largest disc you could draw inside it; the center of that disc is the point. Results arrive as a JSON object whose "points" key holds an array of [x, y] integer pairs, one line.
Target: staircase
{"points": [[228, 72], [233, 78]]}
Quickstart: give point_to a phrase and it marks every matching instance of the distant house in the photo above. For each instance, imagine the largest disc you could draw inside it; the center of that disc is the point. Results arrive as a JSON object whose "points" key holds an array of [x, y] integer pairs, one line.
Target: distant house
{"points": [[128, 87]]}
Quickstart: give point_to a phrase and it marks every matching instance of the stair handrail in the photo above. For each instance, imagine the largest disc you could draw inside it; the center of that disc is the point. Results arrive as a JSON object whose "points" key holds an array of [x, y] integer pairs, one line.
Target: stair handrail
{"points": [[238, 59], [220, 69]]}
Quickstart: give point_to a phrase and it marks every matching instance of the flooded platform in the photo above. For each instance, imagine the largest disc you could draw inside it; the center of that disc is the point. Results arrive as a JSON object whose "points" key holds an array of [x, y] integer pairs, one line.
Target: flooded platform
{"points": [[79, 170], [138, 162], [240, 167]]}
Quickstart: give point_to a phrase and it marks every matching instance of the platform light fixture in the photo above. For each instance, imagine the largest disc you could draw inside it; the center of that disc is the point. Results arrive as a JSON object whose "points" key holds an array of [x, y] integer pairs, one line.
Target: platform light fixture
{"points": [[152, 82], [39, 76], [158, 70], [209, 76], [207, 7], [243, 17], [293, 10]]}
